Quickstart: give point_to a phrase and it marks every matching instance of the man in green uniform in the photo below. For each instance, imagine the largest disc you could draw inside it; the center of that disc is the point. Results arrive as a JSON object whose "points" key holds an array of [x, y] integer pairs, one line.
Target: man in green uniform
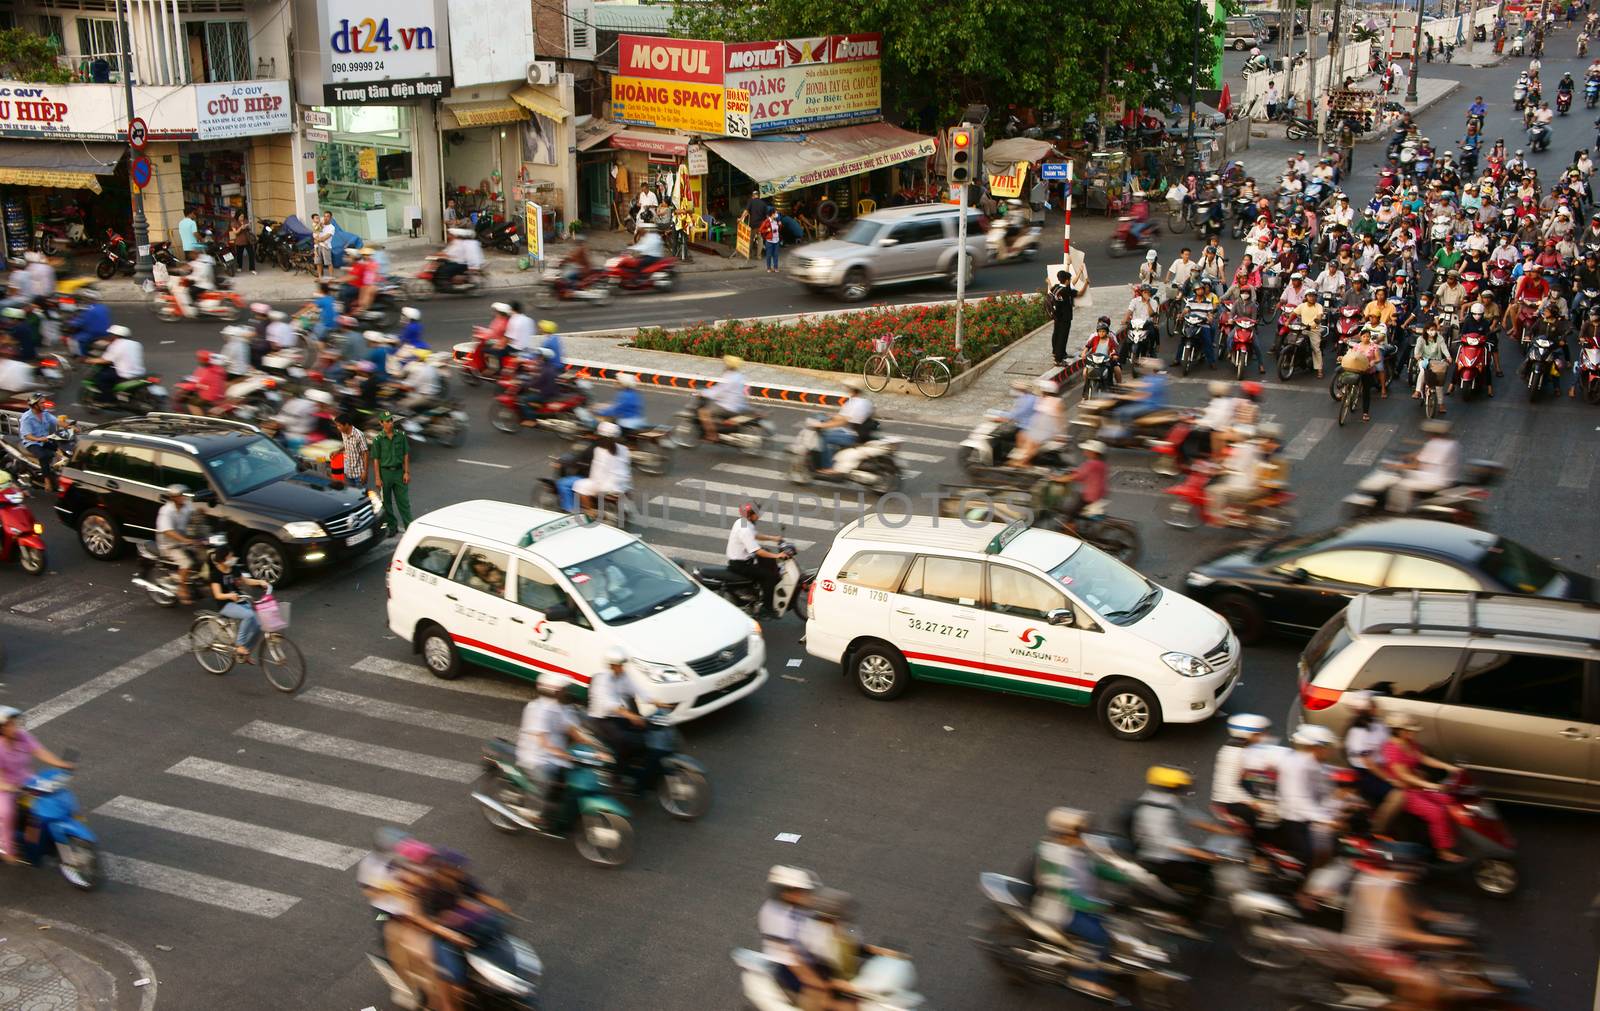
{"points": [[391, 455]]}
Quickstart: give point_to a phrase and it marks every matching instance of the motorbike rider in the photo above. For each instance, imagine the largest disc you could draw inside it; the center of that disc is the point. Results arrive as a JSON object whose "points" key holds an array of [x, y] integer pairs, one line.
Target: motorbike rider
{"points": [[1207, 303], [18, 749], [1310, 312], [613, 708], [1363, 744], [120, 360], [574, 268], [1161, 823], [747, 557], [1384, 922], [1066, 892], [90, 322], [421, 382], [782, 919], [1103, 341], [1303, 792], [210, 384], [1417, 794], [627, 408], [1554, 327], [411, 331], [173, 539], [1434, 467], [853, 425], [540, 385], [35, 426], [648, 249], [1430, 348], [610, 472], [1229, 797], [463, 253], [549, 727], [724, 398]]}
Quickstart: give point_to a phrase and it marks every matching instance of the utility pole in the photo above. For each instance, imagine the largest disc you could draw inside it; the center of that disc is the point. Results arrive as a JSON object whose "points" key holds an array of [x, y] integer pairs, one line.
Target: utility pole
{"points": [[141, 227], [1311, 62], [1416, 50], [1194, 73], [1334, 46]]}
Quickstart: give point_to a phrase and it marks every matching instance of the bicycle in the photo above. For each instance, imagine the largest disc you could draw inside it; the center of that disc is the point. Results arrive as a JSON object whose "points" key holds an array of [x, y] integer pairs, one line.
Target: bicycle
{"points": [[1432, 404], [930, 375], [211, 640], [1349, 394]]}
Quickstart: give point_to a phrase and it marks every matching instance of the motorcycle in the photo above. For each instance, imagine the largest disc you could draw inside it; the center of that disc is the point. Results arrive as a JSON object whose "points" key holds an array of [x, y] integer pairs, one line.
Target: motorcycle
{"points": [[1123, 241], [1149, 431], [49, 810], [1026, 949], [1294, 353], [443, 422], [505, 975], [213, 303], [793, 592], [554, 286], [158, 575], [563, 414], [747, 431], [870, 463], [1500, 281], [1591, 93], [23, 467], [1538, 138], [1241, 341], [586, 809], [883, 983], [1244, 213], [427, 282], [993, 439], [679, 782], [1388, 181], [1589, 373], [139, 395], [1003, 248], [475, 361], [1461, 503], [1098, 376], [503, 235], [1563, 102], [1190, 507], [1346, 329], [1541, 367], [1142, 341], [21, 535], [116, 257], [1191, 350], [1472, 365], [629, 272]]}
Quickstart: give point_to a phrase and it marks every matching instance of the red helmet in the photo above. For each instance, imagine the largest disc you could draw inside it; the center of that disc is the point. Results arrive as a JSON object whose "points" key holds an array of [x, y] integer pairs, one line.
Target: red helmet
{"points": [[1251, 389], [203, 357], [750, 511]]}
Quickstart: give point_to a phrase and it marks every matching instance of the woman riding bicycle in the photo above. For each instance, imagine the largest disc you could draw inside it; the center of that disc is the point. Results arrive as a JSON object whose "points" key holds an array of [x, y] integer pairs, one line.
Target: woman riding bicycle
{"points": [[228, 583]]}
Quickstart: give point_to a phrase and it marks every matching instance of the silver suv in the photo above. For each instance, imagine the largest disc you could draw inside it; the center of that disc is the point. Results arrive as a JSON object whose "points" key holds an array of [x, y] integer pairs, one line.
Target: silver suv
{"points": [[1504, 685], [916, 243]]}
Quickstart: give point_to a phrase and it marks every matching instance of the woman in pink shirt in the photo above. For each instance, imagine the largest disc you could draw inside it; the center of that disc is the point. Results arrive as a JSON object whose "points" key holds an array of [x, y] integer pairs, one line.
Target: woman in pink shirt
{"points": [[18, 749], [1401, 758]]}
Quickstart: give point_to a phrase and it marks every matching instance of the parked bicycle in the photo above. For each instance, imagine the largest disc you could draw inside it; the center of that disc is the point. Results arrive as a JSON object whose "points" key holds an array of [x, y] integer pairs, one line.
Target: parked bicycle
{"points": [[211, 640], [930, 375]]}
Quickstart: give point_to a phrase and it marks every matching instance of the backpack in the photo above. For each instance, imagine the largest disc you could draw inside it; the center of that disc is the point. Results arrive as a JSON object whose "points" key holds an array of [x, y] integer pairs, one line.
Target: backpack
{"points": [[1127, 815], [1056, 300]]}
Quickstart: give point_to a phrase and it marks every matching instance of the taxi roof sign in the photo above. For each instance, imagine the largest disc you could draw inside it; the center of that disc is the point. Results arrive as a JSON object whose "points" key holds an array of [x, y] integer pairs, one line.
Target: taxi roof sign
{"points": [[545, 531], [1012, 531]]}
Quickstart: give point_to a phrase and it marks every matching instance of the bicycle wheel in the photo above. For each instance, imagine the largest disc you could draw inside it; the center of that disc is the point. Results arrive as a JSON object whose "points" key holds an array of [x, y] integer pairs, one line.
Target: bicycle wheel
{"points": [[932, 377], [878, 372], [1430, 400], [211, 642], [281, 662], [1347, 402]]}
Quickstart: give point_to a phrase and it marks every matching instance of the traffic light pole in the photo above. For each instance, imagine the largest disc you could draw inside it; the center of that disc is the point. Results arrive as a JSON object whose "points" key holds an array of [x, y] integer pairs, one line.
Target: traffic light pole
{"points": [[143, 265], [961, 274]]}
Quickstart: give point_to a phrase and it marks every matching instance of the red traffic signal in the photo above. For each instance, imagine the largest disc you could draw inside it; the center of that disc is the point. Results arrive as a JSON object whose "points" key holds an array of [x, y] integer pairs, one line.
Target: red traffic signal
{"points": [[963, 146]]}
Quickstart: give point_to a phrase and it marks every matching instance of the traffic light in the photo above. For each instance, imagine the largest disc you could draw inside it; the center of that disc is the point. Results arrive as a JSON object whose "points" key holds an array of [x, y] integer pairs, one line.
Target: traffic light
{"points": [[964, 154]]}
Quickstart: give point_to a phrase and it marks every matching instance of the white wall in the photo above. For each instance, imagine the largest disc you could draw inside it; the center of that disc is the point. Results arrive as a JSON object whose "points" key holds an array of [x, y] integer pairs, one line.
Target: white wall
{"points": [[471, 161], [490, 40]]}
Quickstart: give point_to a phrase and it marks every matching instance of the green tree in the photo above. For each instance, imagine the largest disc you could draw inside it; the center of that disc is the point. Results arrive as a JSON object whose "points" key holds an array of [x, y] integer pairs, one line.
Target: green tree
{"points": [[25, 56], [1063, 59]]}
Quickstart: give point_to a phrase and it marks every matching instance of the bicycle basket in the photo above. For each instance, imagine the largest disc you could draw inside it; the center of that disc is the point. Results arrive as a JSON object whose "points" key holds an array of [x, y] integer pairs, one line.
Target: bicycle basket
{"points": [[272, 613], [880, 345]]}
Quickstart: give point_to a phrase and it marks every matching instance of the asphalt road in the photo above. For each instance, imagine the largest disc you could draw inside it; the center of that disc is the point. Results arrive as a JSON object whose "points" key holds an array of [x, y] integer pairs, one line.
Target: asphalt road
{"points": [[192, 780]]}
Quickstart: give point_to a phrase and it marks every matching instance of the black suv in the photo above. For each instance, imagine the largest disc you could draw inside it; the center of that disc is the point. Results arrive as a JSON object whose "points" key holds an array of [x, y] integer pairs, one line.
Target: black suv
{"points": [[276, 516]]}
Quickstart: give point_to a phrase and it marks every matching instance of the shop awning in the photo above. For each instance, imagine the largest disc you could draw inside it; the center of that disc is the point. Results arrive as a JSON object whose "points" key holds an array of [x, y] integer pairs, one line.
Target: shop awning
{"points": [[596, 132], [69, 165], [651, 143], [1014, 149], [787, 162], [531, 99], [471, 114]]}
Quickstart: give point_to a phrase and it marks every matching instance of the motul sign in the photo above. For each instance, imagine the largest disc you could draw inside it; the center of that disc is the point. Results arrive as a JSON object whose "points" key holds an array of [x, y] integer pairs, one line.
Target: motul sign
{"points": [[856, 47], [755, 56], [669, 59]]}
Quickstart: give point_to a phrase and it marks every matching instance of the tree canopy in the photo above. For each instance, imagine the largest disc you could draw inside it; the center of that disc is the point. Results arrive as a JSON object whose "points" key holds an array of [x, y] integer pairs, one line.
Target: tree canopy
{"points": [[1061, 59], [25, 56]]}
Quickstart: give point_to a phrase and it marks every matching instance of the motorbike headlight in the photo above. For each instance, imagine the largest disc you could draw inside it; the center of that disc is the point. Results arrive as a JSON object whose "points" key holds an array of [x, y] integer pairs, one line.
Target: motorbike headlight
{"points": [[498, 978], [1186, 664], [304, 530], [1199, 579], [660, 673]]}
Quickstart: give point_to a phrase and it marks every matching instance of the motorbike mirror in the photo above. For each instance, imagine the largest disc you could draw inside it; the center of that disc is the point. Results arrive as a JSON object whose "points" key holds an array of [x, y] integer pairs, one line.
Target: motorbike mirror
{"points": [[204, 496], [1298, 575], [1061, 616], [560, 613]]}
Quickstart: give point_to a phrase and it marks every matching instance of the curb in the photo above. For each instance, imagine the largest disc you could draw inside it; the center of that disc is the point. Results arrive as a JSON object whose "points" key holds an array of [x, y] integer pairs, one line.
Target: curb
{"points": [[100, 970], [583, 369]]}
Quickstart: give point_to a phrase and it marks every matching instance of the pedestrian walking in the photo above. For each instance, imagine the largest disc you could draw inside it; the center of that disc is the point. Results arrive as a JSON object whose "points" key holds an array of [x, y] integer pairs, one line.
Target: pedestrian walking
{"points": [[357, 473], [772, 237], [243, 240], [391, 454]]}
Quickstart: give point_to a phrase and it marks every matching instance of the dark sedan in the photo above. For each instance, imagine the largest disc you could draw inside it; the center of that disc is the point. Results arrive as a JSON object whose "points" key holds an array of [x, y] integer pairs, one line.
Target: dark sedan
{"points": [[1295, 584]]}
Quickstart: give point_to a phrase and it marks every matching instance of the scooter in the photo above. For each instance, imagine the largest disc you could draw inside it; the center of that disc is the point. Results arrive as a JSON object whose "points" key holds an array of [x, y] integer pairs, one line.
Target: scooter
{"points": [[427, 282], [50, 815], [21, 535], [1472, 365], [1591, 92], [1538, 138], [883, 983], [158, 575], [1563, 102], [585, 810], [992, 440], [1004, 249], [1098, 377], [679, 782], [23, 467], [1481, 836], [1461, 503], [214, 303], [564, 414], [747, 432], [1541, 367], [793, 592], [1191, 350], [1589, 372], [505, 976], [554, 286], [116, 257], [1142, 342], [1294, 351], [1241, 338], [475, 361], [442, 422], [1124, 241], [1190, 507], [139, 395], [870, 464], [629, 272]]}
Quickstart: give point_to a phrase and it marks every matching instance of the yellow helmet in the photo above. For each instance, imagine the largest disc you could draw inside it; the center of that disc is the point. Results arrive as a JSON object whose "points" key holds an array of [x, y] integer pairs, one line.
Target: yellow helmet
{"points": [[1166, 777], [547, 326]]}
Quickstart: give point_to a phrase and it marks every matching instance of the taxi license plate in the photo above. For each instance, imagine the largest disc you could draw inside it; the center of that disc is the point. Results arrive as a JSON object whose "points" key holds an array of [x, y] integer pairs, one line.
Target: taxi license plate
{"points": [[365, 535]]}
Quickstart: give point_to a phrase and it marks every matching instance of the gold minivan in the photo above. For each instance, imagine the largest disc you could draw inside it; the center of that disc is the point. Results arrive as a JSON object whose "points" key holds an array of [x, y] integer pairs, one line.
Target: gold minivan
{"points": [[1506, 686]]}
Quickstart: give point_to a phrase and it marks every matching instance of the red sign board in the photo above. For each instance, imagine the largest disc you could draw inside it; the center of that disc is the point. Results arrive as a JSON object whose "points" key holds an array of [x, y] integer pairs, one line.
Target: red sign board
{"points": [[659, 59], [851, 48]]}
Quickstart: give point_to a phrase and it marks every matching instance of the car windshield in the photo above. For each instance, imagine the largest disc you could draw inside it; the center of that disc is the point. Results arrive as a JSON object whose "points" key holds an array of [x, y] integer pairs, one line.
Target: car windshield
{"points": [[630, 583], [250, 466], [1119, 594], [861, 232], [1520, 570]]}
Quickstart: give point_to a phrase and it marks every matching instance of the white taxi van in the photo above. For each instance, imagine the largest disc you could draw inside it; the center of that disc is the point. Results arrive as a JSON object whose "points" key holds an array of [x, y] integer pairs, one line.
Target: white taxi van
{"points": [[1014, 609], [525, 590]]}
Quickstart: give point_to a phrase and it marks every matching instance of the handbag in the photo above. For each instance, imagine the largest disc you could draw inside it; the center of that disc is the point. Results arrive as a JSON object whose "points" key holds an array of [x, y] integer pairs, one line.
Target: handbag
{"points": [[273, 616]]}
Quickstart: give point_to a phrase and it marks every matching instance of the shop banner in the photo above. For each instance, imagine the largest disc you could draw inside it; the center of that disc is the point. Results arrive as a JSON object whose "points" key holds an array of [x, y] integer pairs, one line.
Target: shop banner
{"points": [[737, 120], [389, 51], [533, 225], [698, 162], [94, 111], [797, 84], [648, 57], [694, 108], [242, 109], [1009, 183], [923, 148], [742, 246]]}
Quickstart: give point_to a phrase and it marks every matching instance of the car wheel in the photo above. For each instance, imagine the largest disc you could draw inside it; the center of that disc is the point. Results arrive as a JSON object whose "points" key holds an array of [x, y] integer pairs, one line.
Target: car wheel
{"points": [[1242, 615], [1129, 710], [439, 653], [856, 286], [100, 536], [266, 560], [879, 671]]}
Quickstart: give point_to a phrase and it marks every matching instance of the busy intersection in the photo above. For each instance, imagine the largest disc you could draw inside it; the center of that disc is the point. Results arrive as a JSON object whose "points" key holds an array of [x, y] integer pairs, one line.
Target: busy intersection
{"points": [[232, 818]]}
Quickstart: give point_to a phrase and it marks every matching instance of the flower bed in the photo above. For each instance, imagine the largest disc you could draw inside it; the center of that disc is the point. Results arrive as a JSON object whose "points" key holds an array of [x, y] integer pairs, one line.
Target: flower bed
{"points": [[842, 342]]}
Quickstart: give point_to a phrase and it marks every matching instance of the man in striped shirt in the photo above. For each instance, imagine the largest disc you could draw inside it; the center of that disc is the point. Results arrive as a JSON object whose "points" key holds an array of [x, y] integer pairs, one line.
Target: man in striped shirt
{"points": [[357, 473]]}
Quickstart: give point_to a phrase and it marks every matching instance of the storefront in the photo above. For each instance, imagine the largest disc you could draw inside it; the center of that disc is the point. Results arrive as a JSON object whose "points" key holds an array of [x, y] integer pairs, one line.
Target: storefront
{"points": [[59, 194], [474, 138], [366, 169]]}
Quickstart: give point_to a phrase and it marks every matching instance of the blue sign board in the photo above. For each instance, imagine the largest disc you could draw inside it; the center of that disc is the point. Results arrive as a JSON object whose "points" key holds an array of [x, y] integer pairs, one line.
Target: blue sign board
{"points": [[1053, 170], [141, 172]]}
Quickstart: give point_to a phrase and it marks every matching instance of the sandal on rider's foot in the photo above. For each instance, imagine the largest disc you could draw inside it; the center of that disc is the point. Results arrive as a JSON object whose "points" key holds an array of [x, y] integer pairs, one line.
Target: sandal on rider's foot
{"points": [[1366, 417]]}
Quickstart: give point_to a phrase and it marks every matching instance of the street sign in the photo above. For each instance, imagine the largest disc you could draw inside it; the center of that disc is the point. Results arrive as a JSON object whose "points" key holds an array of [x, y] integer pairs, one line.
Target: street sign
{"points": [[316, 136], [316, 117], [138, 133], [140, 170], [1053, 170]]}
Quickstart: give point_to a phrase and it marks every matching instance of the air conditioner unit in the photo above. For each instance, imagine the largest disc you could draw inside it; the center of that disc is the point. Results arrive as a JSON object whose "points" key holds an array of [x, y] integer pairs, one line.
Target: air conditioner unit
{"points": [[542, 72]]}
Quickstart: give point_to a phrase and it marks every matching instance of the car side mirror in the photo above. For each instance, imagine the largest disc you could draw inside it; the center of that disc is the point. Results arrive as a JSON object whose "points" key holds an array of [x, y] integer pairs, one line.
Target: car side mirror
{"points": [[561, 613], [1062, 616], [888, 242], [1298, 575]]}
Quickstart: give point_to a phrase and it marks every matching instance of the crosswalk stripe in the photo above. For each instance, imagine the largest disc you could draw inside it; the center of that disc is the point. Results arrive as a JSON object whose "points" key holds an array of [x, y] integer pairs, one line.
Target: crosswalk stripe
{"points": [[709, 507], [1370, 446], [691, 555], [275, 842], [49, 600], [1505, 449], [1307, 438], [419, 675], [393, 759], [1577, 471], [904, 454], [394, 712], [196, 887], [717, 534], [101, 609], [402, 812], [782, 476]]}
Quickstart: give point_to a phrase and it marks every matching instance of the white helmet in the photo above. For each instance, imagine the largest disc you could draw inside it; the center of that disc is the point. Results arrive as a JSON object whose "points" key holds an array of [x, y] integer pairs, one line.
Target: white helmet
{"points": [[616, 656], [628, 379], [1248, 724], [609, 430], [783, 876], [411, 312], [119, 331], [1150, 256], [1309, 735], [550, 683], [8, 713], [322, 397]]}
